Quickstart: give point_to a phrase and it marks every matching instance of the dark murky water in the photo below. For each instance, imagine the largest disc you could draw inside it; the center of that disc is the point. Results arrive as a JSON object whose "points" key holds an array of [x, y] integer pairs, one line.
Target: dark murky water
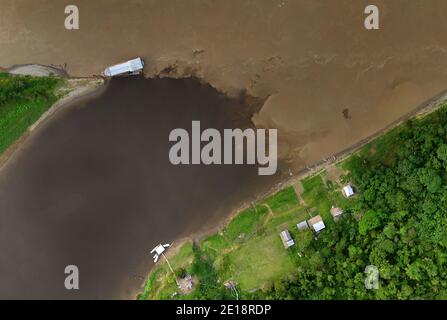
{"points": [[94, 187]]}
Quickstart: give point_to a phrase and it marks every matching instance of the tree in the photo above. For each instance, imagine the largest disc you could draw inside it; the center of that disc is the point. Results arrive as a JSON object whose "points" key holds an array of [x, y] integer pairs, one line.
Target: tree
{"points": [[442, 153], [370, 220]]}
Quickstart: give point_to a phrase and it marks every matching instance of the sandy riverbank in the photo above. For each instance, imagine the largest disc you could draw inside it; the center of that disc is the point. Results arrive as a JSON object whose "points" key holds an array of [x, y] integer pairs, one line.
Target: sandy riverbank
{"points": [[37, 70]]}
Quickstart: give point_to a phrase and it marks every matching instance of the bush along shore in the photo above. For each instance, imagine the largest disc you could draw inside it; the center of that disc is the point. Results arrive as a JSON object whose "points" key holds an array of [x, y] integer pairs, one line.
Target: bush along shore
{"points": [[23, 99], [396, 222]]}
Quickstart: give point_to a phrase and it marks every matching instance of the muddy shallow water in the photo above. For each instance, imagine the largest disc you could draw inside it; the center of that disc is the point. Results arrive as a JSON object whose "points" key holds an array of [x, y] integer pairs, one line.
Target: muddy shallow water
{"points": [[314, 58], [94, 187]]}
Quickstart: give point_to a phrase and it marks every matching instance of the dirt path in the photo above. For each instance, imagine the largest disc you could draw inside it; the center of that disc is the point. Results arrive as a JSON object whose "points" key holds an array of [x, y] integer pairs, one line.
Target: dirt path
{"points": [[298, 187]]}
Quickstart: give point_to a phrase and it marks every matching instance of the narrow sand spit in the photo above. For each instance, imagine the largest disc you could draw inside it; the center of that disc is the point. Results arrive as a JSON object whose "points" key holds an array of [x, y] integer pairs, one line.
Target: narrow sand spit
{"points": [[36, 70]]}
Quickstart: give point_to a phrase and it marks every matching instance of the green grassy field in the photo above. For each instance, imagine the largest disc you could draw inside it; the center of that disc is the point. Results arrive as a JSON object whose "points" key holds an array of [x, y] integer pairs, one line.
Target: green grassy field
{"points": [[23, 99]]}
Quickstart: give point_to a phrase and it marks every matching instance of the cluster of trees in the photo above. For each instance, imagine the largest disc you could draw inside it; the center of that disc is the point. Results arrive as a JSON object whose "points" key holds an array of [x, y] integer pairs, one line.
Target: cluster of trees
{"points": [[208, 286], [22, 101], [13, 88], [402, 230]]}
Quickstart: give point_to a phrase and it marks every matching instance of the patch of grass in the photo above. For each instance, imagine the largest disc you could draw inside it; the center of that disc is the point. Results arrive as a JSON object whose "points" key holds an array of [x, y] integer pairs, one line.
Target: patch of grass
{"points": [[316, 196], [150, 286], [157, 284], [251, 271], [23, 99], [245, 223], [283, 200], [286, 220], [215, 244], [183, 257]]}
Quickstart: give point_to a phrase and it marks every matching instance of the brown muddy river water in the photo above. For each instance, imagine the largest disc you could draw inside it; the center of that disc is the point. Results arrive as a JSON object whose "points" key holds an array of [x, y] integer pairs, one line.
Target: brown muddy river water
{"points": [[94, 187], [313, 58]]}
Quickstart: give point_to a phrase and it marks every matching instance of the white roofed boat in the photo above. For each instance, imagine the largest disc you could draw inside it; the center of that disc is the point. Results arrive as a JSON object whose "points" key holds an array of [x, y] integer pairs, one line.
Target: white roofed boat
{"points": [[131, 67]]}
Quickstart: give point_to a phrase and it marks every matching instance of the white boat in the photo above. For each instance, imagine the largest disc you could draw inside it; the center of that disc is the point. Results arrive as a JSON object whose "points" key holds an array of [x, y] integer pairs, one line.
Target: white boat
{"points": [[158, 251], [131, 67]]}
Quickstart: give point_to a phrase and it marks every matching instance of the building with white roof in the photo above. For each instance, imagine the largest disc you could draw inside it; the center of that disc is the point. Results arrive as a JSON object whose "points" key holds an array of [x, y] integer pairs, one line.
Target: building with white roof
{"points": [[316, 223], [348, 191], [302, 225], [286, 239], [131, 67]]}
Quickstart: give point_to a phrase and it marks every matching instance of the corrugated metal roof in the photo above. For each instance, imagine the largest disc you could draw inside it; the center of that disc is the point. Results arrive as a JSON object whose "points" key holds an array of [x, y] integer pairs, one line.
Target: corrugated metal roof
{"points": [[336, 211], [348, 190], [286, 238], [302, 225], [319, 226]]}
